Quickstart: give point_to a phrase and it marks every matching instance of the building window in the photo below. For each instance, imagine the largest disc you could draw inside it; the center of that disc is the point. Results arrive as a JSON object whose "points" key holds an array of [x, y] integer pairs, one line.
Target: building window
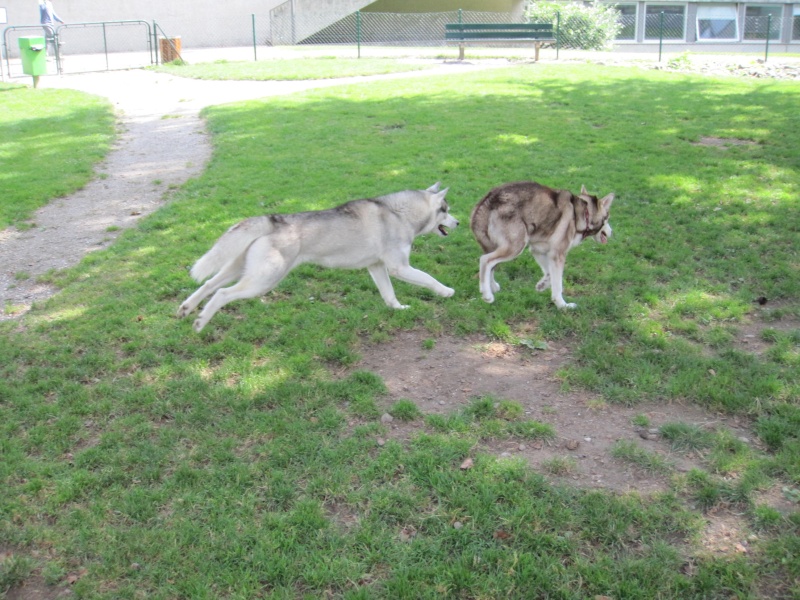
{"points": [[671, 27], [796, 22], [627, 22], [756, 20], [717, 22]]}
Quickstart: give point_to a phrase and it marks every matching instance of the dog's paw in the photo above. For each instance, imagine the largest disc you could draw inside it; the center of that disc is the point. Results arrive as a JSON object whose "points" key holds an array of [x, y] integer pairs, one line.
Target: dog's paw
{"points": [[183, 310], [446, 292], [401, 306], [488, 298], [565, 305], [198, 325]]}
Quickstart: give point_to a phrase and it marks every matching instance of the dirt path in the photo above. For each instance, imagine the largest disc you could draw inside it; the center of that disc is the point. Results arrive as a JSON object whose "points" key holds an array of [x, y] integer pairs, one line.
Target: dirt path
{"points": [[162, 143]]}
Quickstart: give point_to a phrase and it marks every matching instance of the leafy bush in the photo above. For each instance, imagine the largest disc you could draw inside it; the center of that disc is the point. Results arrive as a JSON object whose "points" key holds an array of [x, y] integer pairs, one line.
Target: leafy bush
{"points": [[586, 27]]}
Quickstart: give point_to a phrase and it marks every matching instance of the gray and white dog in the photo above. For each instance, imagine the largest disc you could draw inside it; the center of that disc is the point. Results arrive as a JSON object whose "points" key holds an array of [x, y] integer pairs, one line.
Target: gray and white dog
{"points": [[551, 222], [374, 233]]}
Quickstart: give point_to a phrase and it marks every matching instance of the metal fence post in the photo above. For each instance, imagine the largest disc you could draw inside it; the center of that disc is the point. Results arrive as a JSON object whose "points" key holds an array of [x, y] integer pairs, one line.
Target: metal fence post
{"points": [[660, 34], [105, 45], [459, 16], [255, 43], [769, 33], [155, 41], [358, 32], [59, 69], [558, 33]]}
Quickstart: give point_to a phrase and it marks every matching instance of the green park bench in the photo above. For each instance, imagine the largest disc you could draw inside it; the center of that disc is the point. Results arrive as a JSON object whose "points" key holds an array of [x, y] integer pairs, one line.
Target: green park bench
{"points": [[479, 33]]}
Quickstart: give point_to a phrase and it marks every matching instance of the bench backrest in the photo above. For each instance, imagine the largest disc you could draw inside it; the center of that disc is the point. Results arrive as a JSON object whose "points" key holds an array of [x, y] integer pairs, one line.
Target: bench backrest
{"points": [[506, 31]]}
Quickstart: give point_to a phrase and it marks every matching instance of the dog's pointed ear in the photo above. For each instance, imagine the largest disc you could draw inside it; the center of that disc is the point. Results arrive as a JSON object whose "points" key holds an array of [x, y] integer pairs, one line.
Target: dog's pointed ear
{"points": [[443, 193], [583, 190], [434, 188], [606, 202]]}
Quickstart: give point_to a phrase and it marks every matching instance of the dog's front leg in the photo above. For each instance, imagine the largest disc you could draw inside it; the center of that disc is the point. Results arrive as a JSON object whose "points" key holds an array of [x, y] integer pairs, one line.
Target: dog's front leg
{"points": [[409, 274], [380, 276], [556, 264]]}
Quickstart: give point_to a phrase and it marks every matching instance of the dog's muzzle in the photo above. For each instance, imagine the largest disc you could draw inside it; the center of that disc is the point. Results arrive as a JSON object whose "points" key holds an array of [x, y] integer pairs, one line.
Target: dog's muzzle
{"points": [[450, 223], [604, 233]]}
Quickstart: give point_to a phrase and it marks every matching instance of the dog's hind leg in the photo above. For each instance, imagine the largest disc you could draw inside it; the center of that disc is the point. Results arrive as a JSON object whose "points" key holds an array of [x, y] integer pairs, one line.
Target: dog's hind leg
{"points": [[228, 274], [489, 261], [264, 269], [544, 263]]}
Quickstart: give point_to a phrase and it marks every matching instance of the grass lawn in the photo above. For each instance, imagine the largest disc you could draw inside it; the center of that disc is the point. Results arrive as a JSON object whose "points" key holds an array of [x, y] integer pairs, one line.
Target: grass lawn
{"points": [[297, 69], [139, 459], [50, 141]]}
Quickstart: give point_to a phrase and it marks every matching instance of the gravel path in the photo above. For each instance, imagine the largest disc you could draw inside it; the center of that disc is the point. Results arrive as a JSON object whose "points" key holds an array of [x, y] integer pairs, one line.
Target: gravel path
{"points": [[151, 156]]}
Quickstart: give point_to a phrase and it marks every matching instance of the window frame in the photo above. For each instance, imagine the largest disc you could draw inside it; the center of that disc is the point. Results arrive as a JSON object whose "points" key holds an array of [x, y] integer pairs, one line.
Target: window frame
{"points": [[657, 5], [776, 31], [635, 38], [735, 19]]}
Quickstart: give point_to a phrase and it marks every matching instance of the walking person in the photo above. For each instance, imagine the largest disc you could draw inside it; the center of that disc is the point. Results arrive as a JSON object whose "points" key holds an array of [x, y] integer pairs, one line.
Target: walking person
{"points": [[48, 18]]}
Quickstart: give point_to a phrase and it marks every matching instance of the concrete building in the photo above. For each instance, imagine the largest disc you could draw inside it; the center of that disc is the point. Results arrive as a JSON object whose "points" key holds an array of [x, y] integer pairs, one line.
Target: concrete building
{"points": [[131, 25], [709, 26]]}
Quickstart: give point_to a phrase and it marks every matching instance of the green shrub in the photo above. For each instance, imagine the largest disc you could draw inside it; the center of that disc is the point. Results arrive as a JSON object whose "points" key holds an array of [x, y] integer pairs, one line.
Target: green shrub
{"points": [[586, 27]]}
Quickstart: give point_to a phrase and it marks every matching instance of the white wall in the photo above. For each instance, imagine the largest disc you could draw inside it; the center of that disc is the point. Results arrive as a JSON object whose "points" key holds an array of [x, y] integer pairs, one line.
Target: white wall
{"points": [[204, 23], [199, 23]]}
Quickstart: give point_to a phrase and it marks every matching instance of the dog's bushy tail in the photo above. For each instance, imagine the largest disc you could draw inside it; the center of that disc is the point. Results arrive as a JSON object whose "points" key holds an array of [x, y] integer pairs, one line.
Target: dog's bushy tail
{"points": [[479, 223], [232, 244]]}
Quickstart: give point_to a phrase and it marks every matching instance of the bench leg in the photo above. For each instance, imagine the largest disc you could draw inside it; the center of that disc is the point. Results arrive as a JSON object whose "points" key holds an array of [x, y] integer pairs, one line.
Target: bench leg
{"points": [[461, 52], [536, 46]]}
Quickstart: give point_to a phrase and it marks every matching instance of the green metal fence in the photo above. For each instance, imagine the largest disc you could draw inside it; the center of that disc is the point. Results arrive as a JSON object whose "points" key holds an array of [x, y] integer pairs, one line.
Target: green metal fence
{"points": [[127, 44], [102, 46]]}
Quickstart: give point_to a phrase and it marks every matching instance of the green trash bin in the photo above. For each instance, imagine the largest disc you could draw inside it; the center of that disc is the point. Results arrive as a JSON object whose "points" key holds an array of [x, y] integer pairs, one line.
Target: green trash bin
{"points": [[34, 56]]}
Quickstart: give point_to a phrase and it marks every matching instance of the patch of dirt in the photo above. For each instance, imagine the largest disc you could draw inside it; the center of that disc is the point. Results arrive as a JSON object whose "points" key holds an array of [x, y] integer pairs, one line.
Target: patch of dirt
{"points": [[35, 588], [750, 333], [723, 143], [448, 377], [727, 533]]}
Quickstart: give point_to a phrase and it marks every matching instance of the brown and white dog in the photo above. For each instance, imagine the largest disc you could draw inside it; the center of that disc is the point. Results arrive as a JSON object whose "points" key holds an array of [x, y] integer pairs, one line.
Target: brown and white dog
{"points": [[551, 222]]}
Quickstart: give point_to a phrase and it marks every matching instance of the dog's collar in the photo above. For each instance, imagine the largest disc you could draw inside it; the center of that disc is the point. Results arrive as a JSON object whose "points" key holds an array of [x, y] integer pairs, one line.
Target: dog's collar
{"points": [[588, 231]]}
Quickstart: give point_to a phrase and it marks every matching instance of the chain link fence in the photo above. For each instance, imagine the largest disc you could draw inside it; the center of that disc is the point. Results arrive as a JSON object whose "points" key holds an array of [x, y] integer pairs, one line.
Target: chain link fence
{"points": [[631, 27], [395, 29]]}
